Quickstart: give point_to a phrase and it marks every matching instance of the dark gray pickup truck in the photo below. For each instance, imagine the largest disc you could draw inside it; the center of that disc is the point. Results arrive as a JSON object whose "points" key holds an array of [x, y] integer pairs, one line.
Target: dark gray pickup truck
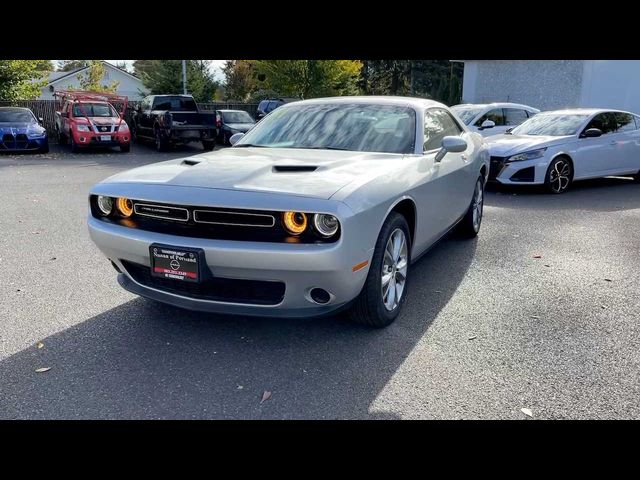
{"points": [[173, 119]]}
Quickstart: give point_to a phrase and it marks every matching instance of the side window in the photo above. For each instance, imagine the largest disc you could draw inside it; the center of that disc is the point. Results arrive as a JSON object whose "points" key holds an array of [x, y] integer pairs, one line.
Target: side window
{"points": [[438, 123], [514, 116], [637, 119], [496, 115], [263, 105], [624, 122], [530, 114], [603, 121]]}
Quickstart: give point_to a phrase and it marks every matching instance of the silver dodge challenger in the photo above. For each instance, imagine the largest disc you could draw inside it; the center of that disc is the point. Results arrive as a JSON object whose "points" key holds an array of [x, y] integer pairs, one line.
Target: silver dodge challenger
{"points": [[322, 206]]}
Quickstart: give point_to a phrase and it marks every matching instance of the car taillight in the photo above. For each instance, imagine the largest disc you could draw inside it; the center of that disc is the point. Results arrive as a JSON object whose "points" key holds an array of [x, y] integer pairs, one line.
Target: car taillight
{"points": [[218, 123]]}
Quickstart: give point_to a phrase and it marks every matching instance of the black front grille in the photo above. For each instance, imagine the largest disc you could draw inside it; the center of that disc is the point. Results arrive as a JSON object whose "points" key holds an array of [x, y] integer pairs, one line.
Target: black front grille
{"points": [[230, 290], [212, 223], [524, 175], [495, 167], [17, 142]]}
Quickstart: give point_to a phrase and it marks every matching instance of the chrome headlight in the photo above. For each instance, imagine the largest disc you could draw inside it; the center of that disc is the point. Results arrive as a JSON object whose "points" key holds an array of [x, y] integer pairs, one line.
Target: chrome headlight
{"points": [[530, 155], [326, 225], [36, 132], [83, 128], [105, 204], [123, 127]]}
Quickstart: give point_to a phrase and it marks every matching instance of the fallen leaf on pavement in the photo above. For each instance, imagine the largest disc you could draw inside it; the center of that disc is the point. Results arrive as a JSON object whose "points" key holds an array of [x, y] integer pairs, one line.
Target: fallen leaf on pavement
{"points": [[473, 338], [265, 396], [547, 265], [240, 387], [53, 258], [527, 412], [608, 280], [537, 256], [604, 307], [40, 345], [43, 369], [535, 316]]}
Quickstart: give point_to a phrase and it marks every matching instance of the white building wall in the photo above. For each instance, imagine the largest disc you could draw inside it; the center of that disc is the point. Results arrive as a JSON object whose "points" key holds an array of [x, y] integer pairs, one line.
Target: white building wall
{"points": [[611, 84], [128, 85]]}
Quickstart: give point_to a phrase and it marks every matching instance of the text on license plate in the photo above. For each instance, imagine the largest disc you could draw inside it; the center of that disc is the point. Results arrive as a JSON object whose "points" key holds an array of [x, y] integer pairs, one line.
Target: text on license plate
{"points": [[105, 138]]}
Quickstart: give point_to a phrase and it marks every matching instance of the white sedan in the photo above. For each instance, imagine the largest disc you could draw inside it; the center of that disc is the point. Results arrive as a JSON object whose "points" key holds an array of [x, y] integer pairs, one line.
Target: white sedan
{"points": [[493, 118], [559, 147]]}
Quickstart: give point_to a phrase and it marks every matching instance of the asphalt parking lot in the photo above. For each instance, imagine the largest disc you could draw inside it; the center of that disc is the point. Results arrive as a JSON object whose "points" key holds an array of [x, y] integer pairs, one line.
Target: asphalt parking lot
{"points": [[487, 330]]}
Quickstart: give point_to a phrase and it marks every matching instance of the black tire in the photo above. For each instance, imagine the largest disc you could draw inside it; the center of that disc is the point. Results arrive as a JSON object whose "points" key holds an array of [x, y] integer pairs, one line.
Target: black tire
{"points": [[162, 144], [636, 177], [559, 175], [369, 308], [134, 133], [468, 226], [73, 144], [208, 145], [125, 148], [44, 148], [62, 139]]}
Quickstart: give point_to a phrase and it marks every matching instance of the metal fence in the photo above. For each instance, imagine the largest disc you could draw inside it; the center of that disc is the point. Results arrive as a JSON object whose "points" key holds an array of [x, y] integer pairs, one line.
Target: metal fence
{"points": [[46, 109]]}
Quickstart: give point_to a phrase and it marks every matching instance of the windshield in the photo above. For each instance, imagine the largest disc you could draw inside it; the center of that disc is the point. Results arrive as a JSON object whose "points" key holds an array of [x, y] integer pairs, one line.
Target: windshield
{"points": [[553, 124], [94, 110], [17, 116], [466, 114], [175, 104], [236, 117], [355, 127]]}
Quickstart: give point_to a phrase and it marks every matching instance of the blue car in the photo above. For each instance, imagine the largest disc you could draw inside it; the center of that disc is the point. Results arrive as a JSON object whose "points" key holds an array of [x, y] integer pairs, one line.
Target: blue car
{"points": [[20, 131]]}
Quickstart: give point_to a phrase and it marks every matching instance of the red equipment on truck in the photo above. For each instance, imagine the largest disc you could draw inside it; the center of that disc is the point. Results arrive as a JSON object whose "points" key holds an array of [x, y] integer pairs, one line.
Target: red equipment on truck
{"points": [[89, 119]]}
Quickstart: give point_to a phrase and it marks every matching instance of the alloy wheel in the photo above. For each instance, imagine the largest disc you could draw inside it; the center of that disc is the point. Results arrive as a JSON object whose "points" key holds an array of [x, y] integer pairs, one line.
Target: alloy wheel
{"points": [[560, 176], [394, 269], [478, 202]]}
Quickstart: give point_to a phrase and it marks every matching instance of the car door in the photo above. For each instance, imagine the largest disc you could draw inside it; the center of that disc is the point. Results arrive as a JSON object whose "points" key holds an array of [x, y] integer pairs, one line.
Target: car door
{"points": [[627, 144], [144, 116], [446, 194], [596, 156], [496, 115]]}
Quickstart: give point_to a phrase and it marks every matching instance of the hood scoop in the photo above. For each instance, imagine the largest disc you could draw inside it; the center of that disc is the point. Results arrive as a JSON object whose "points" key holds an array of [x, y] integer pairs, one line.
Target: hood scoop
{"points": [[190, 163], [294, 168]]}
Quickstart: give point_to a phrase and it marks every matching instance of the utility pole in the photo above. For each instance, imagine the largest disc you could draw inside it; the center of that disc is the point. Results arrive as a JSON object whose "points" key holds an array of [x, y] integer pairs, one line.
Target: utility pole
{"points": [[184, 77]]}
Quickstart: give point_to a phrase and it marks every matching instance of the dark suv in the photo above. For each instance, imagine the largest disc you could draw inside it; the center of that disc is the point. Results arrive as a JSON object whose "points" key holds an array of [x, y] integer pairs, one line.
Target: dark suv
{"points": [[269, 104]]}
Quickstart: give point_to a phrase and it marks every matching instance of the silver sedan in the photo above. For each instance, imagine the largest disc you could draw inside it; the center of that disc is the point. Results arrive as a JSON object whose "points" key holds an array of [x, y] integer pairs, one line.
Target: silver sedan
{"points": [[322, 206]]}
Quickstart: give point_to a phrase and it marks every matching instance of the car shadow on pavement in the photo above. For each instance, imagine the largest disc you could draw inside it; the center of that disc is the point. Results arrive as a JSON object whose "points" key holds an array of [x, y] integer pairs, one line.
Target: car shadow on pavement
{"points": [[607, 194], [147, 360]]}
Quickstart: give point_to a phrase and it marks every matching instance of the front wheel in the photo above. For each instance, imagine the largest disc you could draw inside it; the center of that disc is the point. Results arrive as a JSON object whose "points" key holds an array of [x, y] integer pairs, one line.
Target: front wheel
{"points": [[125, 147], [73, 144], [469, 226], [559, 175], [208, 145], [44, 148], [384, 291], [162, 144], [62, 139]]}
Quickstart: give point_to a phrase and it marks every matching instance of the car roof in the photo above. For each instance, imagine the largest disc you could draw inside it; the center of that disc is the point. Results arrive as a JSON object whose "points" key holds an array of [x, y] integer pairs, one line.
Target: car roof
{"points": [[231, 110], [15, 109], [585, 111], [496, 105], [374, 99]]}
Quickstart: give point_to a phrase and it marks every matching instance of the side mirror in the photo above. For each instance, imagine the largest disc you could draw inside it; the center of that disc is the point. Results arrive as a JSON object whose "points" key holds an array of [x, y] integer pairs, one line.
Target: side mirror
{"points": [[451, 144], [508, 130], [591, 133], [40, 120], [488, 124], [235, 137]]}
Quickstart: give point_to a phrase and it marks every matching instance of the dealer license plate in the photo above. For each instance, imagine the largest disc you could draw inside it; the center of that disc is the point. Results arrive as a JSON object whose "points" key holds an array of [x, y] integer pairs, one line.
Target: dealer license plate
{"points": [[175, 263]]}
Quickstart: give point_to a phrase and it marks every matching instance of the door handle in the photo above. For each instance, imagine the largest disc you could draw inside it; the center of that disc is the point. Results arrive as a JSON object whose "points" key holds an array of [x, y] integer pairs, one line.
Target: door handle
{"points": [[612, 142], [463, 157]]}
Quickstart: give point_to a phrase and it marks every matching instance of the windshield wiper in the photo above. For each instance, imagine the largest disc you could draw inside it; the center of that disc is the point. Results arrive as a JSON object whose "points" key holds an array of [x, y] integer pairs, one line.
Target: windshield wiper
{"points": [[249, 145], [324, 148]]}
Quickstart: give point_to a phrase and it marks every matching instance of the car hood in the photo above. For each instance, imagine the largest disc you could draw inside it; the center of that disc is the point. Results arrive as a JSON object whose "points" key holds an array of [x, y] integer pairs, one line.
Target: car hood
{"points": [[241, 127], [271, 170], [19, 127], [507, 144]]}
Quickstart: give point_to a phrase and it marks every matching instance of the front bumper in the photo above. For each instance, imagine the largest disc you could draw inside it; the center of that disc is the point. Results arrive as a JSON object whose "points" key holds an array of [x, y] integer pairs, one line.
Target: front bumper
{"points": [[299, 266], [17, 143], [529, 172], [92, 139]]}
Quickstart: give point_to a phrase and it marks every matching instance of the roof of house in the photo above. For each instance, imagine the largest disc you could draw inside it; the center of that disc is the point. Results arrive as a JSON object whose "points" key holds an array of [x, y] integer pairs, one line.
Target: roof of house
{"points": [[55, 77]]}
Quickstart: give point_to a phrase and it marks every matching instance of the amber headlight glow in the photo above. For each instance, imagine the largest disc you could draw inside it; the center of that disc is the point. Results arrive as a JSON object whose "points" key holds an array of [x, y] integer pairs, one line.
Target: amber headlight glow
{"points": [[125, 206], [295, 222], [105, 204]]}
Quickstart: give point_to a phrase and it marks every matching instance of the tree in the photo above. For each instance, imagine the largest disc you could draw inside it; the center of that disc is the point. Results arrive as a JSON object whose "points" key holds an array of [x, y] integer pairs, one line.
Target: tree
{"points": [[165, 77], [309, 78], [240, 79], [21, 79], [437, 79], [91, 79], [68, 65]]}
